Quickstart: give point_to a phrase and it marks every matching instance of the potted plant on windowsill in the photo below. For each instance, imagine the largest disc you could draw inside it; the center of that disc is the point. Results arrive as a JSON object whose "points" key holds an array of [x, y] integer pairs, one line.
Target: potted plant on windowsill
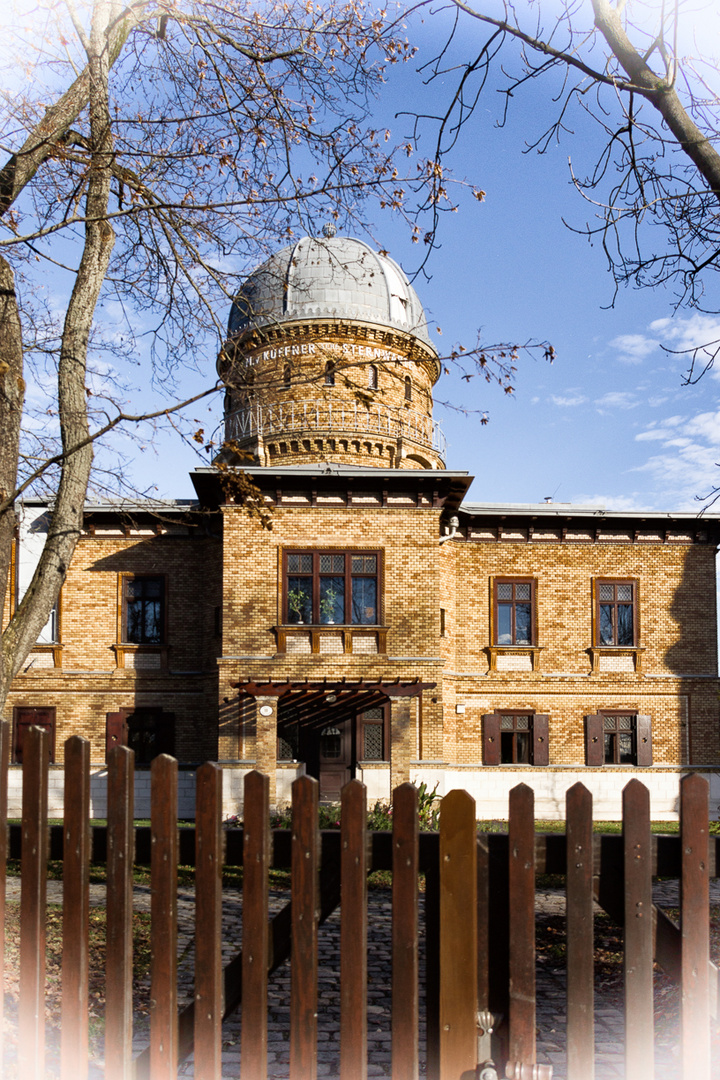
{"points": [[296, 599], [327, 605]]}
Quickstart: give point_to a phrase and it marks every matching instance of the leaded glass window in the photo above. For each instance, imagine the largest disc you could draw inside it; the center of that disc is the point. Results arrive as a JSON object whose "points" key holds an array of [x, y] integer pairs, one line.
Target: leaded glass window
{"points": [[616, 617], [515, 739], [331, 587], [619, 731], [514, 612], [144, 610]]}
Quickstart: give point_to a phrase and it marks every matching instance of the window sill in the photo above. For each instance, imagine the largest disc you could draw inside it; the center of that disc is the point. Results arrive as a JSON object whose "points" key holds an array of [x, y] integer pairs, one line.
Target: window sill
{"points": [[514, 658], [330, 639], [616, 659], [140, 658], [44, 655]]}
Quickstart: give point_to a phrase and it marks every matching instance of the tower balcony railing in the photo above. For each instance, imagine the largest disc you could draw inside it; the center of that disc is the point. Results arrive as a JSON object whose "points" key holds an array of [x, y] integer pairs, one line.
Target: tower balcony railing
{"points": [[294, 417]]}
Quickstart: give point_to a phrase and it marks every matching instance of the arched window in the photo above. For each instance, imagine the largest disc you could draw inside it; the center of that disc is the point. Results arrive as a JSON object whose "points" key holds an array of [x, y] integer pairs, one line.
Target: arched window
{"points": [[330, 373], [372, 377], [408, 388], [287, 378]]}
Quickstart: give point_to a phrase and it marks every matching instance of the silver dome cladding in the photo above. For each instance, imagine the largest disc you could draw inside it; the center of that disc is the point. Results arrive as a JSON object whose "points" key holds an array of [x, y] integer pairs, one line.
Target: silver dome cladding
{"points": [[336, 277]]}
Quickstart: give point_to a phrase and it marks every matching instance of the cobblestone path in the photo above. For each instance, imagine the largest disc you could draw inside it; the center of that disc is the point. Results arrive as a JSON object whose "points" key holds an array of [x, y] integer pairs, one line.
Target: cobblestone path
{"points": [[551, 999]]}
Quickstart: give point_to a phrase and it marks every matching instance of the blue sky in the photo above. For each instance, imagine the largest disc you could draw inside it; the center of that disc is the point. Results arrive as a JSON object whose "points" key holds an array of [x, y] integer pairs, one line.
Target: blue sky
{"points": [[610, 420]]}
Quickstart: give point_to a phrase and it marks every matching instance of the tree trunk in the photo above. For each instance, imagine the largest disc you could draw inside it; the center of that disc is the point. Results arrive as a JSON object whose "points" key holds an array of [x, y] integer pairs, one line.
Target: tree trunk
{"points": [[12, 393], [67, 512]]}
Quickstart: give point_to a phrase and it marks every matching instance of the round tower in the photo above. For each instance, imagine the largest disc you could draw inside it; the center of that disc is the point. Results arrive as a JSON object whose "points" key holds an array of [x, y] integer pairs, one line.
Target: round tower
{"points": [[329, 358]]}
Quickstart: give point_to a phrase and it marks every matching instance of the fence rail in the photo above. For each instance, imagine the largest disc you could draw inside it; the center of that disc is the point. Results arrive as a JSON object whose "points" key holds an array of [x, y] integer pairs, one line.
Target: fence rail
{"points": [[478, 922]]}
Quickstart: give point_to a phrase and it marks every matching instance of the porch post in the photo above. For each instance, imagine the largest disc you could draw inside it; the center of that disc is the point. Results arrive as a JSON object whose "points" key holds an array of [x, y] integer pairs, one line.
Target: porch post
{"points": [[402, 740], [266, 741]]}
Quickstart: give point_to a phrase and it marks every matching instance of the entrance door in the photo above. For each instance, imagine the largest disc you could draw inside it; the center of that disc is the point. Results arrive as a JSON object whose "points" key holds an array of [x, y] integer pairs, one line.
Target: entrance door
{"points": [[335, 759]]}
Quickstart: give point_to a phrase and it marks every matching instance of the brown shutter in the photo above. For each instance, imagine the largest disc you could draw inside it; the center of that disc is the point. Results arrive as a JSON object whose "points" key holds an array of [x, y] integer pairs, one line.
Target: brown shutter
{"points": [[30, 717], [541, 739], [594, 741], [643, 728], [491, 739], [115, 731]]}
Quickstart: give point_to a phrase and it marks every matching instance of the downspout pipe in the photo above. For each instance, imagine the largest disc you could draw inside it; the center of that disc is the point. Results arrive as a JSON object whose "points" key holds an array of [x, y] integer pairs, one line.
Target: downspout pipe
{"points": [[454, 526]]}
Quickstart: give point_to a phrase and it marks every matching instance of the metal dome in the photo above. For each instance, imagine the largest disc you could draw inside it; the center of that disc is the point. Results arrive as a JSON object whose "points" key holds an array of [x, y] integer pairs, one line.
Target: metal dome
{"points": [[333, 277]]}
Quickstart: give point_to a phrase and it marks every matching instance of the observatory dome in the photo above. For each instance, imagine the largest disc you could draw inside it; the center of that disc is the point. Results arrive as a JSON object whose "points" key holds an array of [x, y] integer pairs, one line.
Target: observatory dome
{"points": [[333, 277]]}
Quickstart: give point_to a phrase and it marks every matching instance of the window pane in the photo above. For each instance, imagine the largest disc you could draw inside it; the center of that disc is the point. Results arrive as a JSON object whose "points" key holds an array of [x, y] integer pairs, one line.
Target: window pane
{"points": [[607, 592], [507, 723], [609, 723], [606, 624], [300, 564], [504, 591], [504, 635], [522, 723], [522, 591], [625, 624], [152, 622], [522, 624], [332, 599], [609, 748], [373, 742], [624, 592], [299, 600], [364, 564], [364, 601], [506, 748], [522, 748], [330, 743], [625, 741]]}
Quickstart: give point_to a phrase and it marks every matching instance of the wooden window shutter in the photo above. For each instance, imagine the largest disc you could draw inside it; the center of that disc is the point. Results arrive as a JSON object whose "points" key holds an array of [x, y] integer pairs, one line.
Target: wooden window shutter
{"points": [[643, 727], [594, 741], [32, 717], [541, 739], [115, 731], [491, 739]]}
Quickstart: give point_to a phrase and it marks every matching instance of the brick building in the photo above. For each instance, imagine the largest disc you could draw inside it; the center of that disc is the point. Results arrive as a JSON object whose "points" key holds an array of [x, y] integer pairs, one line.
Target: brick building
{"points": [[385, 627]]}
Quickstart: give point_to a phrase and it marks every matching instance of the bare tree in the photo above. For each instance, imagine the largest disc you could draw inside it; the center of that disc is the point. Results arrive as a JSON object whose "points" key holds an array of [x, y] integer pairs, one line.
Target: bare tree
{"points": [[182, 141], [631, 71]]}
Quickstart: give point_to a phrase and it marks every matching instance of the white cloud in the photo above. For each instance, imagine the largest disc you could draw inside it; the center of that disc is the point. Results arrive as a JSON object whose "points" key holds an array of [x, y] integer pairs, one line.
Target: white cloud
{"points": [[633, 348], [617, 399], [634, 503], [687, 462], [684, 334], [568, 401]]}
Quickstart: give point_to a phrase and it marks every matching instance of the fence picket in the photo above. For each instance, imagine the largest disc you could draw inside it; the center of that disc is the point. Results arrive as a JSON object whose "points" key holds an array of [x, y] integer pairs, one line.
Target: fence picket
{"points": [[256, 866], [580, 985], [695, 928], [353, 932], [4, 762], [119, 941], [76, 910], [638, 947], [208, 923], [458, 936], [163, 919], [521, 879], [304, 961], [33, 895], [405, 994], [432, 969]]}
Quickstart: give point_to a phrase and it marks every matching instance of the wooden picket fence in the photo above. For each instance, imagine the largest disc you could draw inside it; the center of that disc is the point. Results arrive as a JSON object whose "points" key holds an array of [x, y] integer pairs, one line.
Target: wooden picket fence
{"points": [[479, 924]]}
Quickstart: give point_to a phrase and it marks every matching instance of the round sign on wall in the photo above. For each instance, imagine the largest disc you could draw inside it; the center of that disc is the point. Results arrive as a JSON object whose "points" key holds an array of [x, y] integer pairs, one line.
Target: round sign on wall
{"points": [[266, 710]]}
